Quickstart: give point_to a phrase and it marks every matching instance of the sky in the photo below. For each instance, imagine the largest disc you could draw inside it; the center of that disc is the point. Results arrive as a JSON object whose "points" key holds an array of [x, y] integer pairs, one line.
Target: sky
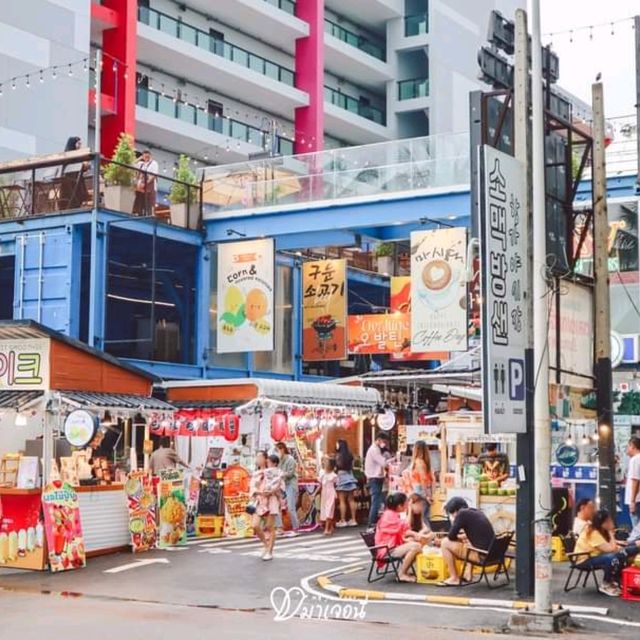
{"points": [[582, 59]]}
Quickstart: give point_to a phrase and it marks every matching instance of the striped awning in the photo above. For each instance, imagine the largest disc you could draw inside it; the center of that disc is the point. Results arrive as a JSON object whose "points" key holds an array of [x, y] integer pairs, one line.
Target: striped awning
{"points": [[205, 404], [88, 400], [18, 399]]}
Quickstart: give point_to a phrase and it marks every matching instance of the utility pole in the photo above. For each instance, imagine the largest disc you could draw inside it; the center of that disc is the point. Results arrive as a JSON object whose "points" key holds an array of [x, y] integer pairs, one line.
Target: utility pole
{"points": [[636, 22], [542, 425], [604, 382], [524, 444]]}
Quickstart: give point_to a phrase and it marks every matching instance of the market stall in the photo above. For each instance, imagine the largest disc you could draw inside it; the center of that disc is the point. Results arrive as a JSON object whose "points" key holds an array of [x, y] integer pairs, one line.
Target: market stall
{"points": [[73, 422], [306, 416]]}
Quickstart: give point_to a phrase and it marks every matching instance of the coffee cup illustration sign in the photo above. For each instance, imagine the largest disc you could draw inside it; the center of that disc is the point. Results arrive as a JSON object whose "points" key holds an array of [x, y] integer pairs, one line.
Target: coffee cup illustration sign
{"points": [[439, 290]]}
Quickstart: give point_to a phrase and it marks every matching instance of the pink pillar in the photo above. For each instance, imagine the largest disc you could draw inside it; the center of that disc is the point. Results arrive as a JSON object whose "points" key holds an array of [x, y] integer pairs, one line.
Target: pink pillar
{"points": [[309, 121]]}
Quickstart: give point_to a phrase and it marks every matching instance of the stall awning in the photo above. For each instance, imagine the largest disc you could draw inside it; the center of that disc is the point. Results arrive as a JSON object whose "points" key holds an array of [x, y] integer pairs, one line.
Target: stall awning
{"points": [[115, 401], [205, 404], [18, 400]]}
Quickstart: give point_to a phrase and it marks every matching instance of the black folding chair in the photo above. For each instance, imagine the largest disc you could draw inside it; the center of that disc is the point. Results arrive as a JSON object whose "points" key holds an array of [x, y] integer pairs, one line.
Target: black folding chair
{"points": [[494, 556], [388, 562], [576, 562]]}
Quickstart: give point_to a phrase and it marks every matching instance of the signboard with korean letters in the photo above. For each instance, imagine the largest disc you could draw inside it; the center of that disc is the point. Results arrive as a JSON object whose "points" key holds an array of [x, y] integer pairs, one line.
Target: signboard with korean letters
{"points": [[504, 289]]}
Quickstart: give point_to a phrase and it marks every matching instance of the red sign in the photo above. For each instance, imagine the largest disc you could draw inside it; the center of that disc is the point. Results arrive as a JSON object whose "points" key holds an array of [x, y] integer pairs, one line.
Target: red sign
{"points": [[379, 333], [21, 531]]}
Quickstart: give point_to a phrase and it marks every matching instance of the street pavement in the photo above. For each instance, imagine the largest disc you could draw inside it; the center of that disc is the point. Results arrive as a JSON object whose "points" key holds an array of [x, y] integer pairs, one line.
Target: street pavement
{"points": [[223, 585]]}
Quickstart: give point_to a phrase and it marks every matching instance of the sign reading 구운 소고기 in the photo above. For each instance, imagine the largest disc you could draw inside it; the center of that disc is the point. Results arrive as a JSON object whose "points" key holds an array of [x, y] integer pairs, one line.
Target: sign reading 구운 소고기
{"points": [[504, 284]]}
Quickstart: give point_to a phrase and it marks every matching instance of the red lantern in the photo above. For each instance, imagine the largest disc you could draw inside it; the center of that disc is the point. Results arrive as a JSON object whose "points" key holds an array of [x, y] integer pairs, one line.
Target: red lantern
{"points": [[348, 422], [279, 427], [231, 427]]}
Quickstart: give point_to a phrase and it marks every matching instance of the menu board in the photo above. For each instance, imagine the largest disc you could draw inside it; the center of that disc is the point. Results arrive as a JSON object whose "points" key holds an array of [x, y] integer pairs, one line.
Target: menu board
{"points": [[172, 508], [142, 511], [63, 528], [237, 523]]}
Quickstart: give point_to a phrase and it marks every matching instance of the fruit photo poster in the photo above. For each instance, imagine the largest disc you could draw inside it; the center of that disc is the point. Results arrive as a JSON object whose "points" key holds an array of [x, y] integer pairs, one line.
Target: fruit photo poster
{"points": [[439, 290], [324, 310], [245, 296]]}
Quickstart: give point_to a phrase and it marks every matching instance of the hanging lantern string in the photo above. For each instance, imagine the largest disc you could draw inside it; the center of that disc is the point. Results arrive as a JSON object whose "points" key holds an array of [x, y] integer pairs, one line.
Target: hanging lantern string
{"points": [[40, 75], [590, 28]]}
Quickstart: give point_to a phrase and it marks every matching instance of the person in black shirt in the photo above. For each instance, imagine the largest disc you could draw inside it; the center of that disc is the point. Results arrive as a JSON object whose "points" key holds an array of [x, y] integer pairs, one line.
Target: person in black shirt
{"points": [[470, 528]]}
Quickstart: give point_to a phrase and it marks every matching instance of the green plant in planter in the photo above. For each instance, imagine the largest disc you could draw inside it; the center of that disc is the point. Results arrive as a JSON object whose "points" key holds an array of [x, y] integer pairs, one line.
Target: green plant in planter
{"points": [[384, 250], [124, 154], [181, 193]]}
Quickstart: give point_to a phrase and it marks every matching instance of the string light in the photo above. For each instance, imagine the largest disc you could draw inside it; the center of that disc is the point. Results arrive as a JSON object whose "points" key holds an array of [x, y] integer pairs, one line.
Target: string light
{"points": [[27, 83], [41, 77], [590, 28], [54, 75], [70, 71], [13, 84]]}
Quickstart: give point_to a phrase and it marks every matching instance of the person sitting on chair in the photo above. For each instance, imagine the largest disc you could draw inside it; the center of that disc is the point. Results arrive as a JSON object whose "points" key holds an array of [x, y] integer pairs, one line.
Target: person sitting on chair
{"points": [[470, 527], [393, 532], [584, 513], [604, 551], [420, 529]]}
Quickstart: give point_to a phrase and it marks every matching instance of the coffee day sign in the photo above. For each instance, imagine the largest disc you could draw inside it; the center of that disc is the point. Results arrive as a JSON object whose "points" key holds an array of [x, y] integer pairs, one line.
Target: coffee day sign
{"points": [[439, 290], [324, 310], [245, 296], [24, 365], [504, 281]]}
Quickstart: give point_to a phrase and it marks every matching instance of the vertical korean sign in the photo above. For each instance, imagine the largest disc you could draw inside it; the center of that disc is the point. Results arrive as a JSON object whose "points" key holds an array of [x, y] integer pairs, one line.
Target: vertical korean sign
{"points": [[439, 290], [324, 310], [504, 281], [245, 296]]}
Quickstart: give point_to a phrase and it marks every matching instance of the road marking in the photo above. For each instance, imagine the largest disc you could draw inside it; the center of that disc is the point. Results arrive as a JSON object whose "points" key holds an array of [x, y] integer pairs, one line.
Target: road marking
{"points": [[175, 549], [137, 564], [214, 551]]}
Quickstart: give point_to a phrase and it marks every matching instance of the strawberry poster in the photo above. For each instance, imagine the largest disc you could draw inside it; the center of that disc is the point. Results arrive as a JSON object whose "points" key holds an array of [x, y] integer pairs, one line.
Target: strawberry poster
{"points": [[324, 310], [62, 527], [142, 511]]}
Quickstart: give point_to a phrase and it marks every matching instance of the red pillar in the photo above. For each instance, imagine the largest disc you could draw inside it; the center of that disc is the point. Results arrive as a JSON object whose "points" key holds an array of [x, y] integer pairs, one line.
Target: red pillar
{"points": [[119, 73], [309, 121]]}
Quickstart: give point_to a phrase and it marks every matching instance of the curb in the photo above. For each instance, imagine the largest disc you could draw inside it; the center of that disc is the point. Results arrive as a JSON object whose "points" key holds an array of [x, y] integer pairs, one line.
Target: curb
{"points": [[325, 582]]}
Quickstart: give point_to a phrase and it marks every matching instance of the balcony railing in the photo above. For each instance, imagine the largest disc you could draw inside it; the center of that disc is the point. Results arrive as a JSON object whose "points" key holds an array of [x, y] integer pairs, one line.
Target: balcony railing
{"points": [[416, 24], [432, 162], [286, 5], [80, 181], [360, 108], [355, 40], [195, 115], [414, 88], [183, 31]]}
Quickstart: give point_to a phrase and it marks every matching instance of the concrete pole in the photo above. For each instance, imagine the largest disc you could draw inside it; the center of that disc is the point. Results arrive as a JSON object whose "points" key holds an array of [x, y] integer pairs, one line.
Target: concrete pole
{"points": [[637, 28], [604, 384], [542, 427]]}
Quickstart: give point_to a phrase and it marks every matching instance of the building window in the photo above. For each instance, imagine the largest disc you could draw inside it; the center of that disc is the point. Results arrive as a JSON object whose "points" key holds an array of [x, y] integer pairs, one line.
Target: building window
{"points": [[150, 307]]}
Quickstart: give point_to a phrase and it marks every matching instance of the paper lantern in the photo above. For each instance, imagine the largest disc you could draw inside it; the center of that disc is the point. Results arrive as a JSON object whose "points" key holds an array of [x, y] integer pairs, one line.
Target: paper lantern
{"points": [[348, 422], [279, 426], [231, 427]]}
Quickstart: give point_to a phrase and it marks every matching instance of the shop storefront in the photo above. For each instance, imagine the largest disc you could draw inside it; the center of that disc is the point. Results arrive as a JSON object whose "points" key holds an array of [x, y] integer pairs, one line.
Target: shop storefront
{"points": [[73, 422]]}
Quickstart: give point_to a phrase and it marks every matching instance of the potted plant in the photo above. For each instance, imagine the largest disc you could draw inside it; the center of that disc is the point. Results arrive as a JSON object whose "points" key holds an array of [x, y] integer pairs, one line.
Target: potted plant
{"points": [[183, 196], [384, 257], [119, 193]]}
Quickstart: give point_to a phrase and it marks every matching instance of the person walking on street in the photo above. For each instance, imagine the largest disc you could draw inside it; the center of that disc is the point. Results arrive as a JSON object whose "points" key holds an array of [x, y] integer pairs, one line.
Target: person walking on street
{"points": [[346, 484], [289, 469], [375, 466], [632, 491], [265, 492]]}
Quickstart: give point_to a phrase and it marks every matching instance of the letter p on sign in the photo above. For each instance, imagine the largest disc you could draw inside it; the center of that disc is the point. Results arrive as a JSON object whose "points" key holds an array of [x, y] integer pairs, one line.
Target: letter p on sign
{"points": [[516, 379]]}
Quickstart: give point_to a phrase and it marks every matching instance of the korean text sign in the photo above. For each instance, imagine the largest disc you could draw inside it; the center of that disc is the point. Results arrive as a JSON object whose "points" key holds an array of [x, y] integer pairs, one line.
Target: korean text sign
{"points": [[245, 296], [324, 310], [439, 290], [24, 364], [504, 275]]}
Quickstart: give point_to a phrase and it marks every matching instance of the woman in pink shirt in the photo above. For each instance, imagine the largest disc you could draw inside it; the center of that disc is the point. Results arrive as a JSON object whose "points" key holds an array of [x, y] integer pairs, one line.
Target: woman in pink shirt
{"points": [[395, 533]]}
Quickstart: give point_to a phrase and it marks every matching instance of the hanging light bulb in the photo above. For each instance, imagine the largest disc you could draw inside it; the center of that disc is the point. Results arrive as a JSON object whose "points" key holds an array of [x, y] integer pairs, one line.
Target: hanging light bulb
{"points": [[13, 84], [54, 73], [41, 78], [85, 64], [27, 83], [585, 440], [569, 441], [596, 436], [0, 89], [70, 71]]}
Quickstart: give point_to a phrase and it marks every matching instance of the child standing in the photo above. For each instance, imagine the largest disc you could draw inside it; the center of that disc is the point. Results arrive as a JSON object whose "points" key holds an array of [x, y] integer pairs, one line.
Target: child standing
{"points": [[328, 481]]}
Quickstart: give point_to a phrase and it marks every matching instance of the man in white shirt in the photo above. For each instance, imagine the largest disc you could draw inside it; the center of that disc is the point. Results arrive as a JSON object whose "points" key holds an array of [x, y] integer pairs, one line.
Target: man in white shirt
{"points": [[146, 184], [584, 512], [375, 467], [632, 491]]}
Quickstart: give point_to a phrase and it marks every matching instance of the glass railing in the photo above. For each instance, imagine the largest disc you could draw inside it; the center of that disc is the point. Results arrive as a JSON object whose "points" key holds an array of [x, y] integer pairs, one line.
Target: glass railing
{"points": [[414, 88], [286, 5], [178, 29], [355, 40], [432, 162], [416, 24], [193, 114], [345, 101]]}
